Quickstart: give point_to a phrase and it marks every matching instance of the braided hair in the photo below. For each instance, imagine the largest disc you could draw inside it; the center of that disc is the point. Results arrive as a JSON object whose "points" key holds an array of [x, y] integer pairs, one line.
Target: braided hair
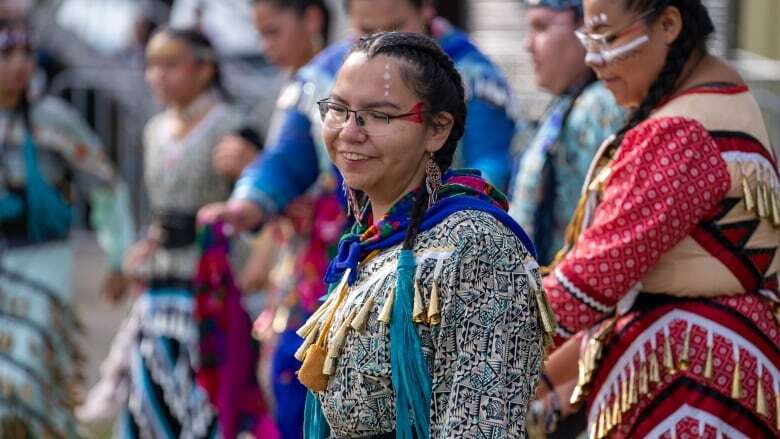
{"points": [[696, 28], [432, 76]]}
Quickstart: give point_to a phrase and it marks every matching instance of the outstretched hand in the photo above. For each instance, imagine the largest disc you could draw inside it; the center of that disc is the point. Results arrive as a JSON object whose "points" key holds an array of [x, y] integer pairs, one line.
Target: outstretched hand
{"points": [[239, 214]]}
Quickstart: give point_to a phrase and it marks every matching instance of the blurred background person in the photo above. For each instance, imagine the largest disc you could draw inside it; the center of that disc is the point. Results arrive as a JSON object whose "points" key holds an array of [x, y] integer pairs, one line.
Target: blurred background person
{"points": [[45, 144], [164, 400], [553, 164], [291, 253]]}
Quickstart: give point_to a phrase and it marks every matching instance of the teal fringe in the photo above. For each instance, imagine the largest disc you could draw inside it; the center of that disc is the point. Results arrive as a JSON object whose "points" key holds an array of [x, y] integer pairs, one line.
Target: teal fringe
{"points": [[48, 214], [314, 424], [411, 379]]}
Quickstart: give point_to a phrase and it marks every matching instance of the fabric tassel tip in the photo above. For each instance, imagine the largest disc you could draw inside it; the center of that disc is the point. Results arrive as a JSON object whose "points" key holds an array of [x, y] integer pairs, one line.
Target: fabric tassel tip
{"points": [[419, 314], [361, 319], [315, 318], [736, 382], [300, 354], [761, 404], [655, 369], [775, 211], [643, 379], [387, 309], [761, 199], [777, 411], [434, 315], [546, 315], [708, 363], [747, 192], [685, 354], [329, 367], [668, 356]]}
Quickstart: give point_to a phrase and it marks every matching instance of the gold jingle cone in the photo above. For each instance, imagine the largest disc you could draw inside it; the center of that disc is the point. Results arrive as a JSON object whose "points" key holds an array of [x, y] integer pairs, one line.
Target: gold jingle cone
{"points": [[434, 317]]}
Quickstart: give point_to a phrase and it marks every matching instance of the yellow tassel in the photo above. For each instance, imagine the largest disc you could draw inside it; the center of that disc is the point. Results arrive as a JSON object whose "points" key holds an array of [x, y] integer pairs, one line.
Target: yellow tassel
{"points": [[549, 323], [329, 367], [736, 380], [632, 387], [359, 323], [668, 356], [434, 317], [616, 415], [777, 411], [761, 405], [750, 202], [775, 211], [418, 313], [300, 354], [337, 343], [315, 318], [387, 309], [601, 421], [643, 387], [684, 355], [624, 395], [768, 200], [708, 360], [655, 370], [761, 200]]}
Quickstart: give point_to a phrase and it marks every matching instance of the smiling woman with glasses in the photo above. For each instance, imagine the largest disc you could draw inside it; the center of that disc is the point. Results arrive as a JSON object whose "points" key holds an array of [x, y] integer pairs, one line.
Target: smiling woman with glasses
{"points": [[435, 320], [667, 286]]}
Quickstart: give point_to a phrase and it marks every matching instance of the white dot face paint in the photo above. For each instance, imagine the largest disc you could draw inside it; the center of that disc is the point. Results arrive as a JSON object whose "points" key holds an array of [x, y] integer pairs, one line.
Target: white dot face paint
{"points": [[387, 78], [598, 20]]}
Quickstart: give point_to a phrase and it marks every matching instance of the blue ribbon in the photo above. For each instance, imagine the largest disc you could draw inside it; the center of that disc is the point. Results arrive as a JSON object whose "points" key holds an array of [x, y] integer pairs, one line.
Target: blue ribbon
{"points": [[350, 251]]}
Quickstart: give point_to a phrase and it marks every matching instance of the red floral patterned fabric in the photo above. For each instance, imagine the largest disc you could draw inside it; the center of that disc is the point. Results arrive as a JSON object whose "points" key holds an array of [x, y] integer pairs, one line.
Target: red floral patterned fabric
{"points": [[667, 176]]}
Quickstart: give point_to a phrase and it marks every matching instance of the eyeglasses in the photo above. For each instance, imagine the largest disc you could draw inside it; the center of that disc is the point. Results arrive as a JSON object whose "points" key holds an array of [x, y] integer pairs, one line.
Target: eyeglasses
{"points": [[335, 116], [599, 46]]}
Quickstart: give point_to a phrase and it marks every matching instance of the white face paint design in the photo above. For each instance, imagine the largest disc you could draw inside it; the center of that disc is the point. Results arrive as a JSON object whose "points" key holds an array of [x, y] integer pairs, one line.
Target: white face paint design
{"points": [[607, 56], [598, 20], [387, 80]]}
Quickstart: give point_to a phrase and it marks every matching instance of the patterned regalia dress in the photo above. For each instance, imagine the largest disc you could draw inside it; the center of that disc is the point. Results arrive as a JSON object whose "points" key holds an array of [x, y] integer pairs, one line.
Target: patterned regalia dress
{"points": [[40, 164], [164, 399], [673, 277], [474, 325]]}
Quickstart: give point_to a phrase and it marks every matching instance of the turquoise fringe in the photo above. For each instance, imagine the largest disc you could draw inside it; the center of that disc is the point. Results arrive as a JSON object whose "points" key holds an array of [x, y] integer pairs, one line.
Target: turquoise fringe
{"points": [[48, 214], [411, 379]]}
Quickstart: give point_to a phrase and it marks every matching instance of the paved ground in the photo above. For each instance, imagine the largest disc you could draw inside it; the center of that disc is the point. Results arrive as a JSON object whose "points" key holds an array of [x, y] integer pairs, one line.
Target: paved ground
{"points": [[100, 319]]}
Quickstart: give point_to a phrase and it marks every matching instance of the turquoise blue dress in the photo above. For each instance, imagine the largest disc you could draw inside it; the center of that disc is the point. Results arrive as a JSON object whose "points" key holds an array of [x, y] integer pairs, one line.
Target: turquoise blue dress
{"points": [[551, 167]]}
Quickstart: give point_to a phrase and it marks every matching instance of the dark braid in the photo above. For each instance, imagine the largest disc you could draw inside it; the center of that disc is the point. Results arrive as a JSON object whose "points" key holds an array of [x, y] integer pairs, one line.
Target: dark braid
{"points": [[696, 28], [432, 75]]}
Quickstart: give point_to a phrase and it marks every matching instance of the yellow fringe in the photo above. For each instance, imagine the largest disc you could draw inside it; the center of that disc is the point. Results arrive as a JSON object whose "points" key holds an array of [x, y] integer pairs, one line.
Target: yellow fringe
{"points": [[434, 316]]}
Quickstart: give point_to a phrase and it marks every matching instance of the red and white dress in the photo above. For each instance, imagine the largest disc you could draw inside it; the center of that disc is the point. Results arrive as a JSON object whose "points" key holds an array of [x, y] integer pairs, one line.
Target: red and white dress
{"points": [[679, 251]]}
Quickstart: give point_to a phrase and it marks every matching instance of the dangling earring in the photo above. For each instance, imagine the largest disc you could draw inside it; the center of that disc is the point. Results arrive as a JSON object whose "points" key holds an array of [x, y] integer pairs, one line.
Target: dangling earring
{"points": [[432, 180], [353, 207]]}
